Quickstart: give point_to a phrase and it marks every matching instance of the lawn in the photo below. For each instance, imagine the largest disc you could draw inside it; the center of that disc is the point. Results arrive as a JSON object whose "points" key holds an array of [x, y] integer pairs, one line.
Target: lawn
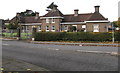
{"points": [[14, 35]]}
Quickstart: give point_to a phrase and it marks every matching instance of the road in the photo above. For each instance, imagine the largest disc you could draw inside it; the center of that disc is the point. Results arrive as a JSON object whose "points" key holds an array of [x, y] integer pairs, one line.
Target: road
{"points": [[61, 57]]}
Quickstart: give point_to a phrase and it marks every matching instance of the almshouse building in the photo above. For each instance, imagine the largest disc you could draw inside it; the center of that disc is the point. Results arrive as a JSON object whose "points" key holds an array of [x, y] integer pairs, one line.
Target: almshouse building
{"points": [[56, 21]]}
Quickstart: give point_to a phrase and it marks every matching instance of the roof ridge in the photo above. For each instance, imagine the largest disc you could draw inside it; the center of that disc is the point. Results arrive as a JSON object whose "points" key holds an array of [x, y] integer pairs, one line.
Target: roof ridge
{"points": [[79, 14], [96, 16]]}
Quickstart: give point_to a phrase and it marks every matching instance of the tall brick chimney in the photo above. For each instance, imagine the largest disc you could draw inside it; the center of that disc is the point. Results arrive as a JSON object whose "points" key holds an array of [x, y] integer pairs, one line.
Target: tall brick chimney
{"points": [[96, 8], [76, 12], [37, 14]]}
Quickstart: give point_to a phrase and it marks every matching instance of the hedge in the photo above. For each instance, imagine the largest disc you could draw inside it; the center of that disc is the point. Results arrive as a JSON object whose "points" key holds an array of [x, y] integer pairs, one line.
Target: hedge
{"points": [[75, 36]]}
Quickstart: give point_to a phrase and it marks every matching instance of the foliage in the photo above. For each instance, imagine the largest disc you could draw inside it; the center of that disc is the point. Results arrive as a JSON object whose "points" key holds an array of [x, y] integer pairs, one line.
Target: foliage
{"points": [[28, 13], [117, 23], [75, 36], [12, 26]]}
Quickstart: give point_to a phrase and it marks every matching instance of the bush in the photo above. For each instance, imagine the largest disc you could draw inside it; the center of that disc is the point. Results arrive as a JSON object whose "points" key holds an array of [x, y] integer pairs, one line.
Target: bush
{"points": [[75, 36], [117, 36]]}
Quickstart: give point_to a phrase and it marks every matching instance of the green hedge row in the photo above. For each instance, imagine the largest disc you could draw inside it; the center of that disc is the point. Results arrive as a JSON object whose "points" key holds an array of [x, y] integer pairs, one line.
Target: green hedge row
{"points": [[74, 36]]}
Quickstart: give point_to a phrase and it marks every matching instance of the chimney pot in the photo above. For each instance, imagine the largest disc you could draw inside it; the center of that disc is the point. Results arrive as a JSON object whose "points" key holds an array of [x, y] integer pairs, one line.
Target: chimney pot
{"points": [[76, 12], [96, 8], [37, 14]]}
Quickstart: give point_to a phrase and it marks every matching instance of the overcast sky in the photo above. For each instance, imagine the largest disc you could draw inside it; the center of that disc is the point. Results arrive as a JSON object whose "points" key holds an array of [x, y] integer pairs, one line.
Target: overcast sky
{"points": [[108, 8]]}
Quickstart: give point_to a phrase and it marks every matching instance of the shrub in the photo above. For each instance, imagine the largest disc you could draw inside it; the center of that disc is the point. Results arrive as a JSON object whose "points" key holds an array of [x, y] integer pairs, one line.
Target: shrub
{"points": [[75, 36], [117, 36]]}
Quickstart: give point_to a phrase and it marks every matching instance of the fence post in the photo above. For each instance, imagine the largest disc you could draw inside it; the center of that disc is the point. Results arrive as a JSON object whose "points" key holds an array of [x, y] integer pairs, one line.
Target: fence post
{"points": [[33, 33], [18, 33]]}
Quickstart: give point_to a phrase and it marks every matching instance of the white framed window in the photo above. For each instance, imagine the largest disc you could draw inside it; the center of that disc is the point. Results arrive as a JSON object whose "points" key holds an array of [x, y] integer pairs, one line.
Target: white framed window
{"points": [[53, 28], [47, 28], [75, 28], [65, 28], [47, 20], [53, 20], [84, 28], [96, 28], [39, 28]]}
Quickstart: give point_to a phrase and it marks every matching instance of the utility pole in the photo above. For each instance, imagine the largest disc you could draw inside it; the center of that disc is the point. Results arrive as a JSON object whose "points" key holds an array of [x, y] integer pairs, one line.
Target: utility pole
{"points": [[113, 39], [33, 32], [18, 33]]}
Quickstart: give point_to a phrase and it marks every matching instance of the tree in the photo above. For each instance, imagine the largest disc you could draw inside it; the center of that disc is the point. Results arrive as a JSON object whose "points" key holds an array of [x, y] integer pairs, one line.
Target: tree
{"points": [[13, 25], [117, 23]]}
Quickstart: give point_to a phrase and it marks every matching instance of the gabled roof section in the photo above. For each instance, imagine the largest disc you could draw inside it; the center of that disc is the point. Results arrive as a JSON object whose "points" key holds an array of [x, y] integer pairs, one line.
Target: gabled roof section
{"points": [[54, 13], [27, 19], [32, 19], [96, 16], [79, 18]]}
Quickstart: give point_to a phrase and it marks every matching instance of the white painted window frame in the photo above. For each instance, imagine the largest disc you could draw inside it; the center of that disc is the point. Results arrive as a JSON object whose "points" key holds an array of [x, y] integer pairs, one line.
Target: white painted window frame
{"points": [[47, 28], [84, 27], [96, 28], [52, 20], [53, 29], [39, 28], [47, 20], [66, 28]]}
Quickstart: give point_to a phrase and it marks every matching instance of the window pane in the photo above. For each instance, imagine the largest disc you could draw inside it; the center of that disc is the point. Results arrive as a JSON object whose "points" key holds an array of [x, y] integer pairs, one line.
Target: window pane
{"points": [[47, 20]]}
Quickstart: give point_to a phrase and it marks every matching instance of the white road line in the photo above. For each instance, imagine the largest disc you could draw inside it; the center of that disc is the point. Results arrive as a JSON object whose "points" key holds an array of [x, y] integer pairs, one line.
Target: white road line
{"points": [[6, 44], [53, 49], [112, 53], [57, 49]]}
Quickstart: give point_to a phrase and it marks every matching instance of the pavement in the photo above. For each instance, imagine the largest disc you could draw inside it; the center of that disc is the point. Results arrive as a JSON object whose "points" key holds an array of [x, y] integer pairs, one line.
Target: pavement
{"points": [[11, 64], [71, 43], [77, 44]]}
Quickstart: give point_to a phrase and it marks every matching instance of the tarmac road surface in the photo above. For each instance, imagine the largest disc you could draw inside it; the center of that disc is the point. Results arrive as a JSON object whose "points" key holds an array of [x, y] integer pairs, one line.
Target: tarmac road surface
{"points": [[61, 57]]}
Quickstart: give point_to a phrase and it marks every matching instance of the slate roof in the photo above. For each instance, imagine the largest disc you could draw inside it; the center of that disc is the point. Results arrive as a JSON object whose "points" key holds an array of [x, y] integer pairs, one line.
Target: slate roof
{"points": [[53, 13], [27, 19], [31, 19], [96, 16], [84, 17], [79, 18]]}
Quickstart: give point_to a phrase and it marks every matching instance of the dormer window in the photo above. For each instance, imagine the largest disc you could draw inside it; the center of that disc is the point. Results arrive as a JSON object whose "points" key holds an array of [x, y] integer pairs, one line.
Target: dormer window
{"points": [[53, 20], [47, 20]]}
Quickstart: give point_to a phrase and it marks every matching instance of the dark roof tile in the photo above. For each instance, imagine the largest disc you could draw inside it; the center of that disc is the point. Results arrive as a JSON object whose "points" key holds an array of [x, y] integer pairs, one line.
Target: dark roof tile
{"points": [[27, 19], [79, 18], [96, 16], [53, 13]]}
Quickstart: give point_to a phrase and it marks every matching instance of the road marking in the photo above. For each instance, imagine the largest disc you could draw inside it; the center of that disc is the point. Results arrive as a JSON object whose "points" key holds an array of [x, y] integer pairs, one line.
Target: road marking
{"points": [[80, 45], [57, 49], [6, 44], [53, 49], [94, 51], [114, 53], [101, 52], [29, 69]]}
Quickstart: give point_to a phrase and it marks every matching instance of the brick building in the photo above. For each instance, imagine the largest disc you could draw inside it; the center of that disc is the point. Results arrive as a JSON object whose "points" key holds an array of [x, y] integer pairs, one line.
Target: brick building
{"points": [[56, 21]]}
